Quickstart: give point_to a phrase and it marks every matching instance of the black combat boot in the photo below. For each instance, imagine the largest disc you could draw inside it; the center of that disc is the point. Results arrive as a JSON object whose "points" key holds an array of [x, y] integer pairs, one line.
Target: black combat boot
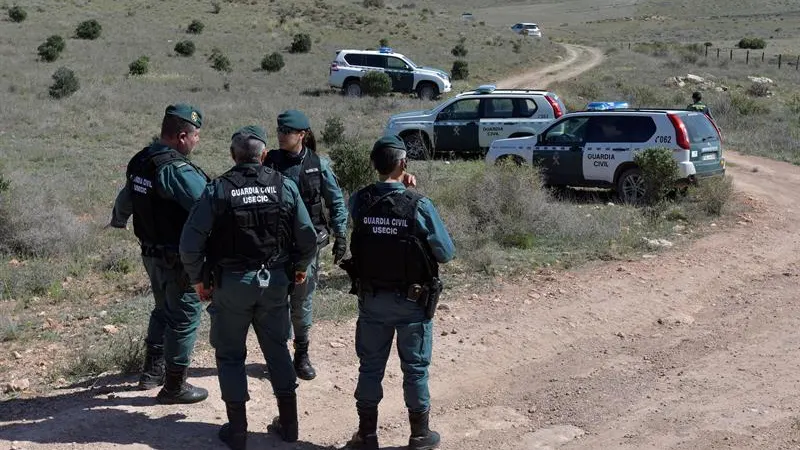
{"points": [[153, 371], [285, 425], [234, 433], [302, 365], [422, 437], [177, 391], [366, 438]]}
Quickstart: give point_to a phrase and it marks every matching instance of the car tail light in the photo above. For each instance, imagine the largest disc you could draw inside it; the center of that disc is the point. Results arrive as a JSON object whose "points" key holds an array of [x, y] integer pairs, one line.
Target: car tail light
{"points": [[556, 107], [334, 67], [680, 131]]}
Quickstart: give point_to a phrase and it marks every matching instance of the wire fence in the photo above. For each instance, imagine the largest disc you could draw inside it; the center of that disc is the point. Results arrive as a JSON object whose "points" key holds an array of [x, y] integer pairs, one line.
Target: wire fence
{"points": [[741, 55]]}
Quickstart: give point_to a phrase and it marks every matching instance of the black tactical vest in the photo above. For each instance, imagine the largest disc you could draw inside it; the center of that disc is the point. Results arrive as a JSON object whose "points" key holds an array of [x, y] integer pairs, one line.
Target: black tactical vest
{"points": [[387, 248], [251, 225], [310, 184], [156, 220]]}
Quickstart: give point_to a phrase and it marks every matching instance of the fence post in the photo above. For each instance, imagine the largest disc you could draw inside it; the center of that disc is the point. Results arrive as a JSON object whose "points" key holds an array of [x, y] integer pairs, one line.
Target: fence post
{"points": [[797, 64], [762, 56], [780, 57], [717, 53], [731, 54], [747, 61], [706, 51], [629, 45]]}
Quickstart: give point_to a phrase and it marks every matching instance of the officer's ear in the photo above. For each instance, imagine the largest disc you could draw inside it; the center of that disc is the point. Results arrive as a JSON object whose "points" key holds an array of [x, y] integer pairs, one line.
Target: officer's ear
{"points": [[263, 155], [233, 156]]}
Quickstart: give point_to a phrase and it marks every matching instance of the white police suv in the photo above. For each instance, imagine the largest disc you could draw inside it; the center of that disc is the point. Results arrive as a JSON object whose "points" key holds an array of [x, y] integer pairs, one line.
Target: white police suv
{"points": [[350, 65], [470, 121], [596, 148]]}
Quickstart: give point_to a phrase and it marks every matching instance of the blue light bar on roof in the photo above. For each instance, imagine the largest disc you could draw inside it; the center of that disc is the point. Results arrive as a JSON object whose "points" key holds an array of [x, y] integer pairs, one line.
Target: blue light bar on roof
{"points": [[606, 106], [385, 50], [486, 89]]}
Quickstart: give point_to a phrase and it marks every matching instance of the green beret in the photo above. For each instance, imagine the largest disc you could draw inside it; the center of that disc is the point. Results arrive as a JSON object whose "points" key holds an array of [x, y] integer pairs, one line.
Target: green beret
{"points": [[186, 112], [390, 141], [252, 131], [294, 119]]}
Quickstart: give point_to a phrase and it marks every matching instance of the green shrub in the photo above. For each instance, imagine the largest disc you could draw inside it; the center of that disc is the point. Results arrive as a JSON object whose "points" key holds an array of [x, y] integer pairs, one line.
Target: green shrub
{"points": [[333, 133], [758, 90], [752, 43], [17, 14], [89, 29], [659, 171], [219, 61], [272, 62], [459, 50], [124, 352], [9, 329], [185, 48], [352, 165], [383, 42], [460, 70], [301, 43], [139, 67], [376, 84], [373, 3], [712, 195], [215, 8], [794, 104], [51, 49], [747, 106], [195, 27], [65, 83]]}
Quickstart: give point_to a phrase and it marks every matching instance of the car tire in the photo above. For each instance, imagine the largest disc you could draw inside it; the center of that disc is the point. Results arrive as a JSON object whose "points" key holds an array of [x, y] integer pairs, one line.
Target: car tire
{"points": [[352, 89], [630, 187], [427, 91], [417, 146]]}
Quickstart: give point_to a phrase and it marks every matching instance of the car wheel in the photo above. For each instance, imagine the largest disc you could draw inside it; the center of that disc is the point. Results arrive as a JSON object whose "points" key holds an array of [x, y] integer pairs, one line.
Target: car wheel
{"points": [[426, 92], [416, 146], [352, 89], [631, 188]]}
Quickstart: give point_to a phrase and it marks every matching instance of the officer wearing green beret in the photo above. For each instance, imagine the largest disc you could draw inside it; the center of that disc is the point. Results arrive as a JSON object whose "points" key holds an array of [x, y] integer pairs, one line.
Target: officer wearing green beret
{"points": [[252, 229], [297, 159], [160, 189], [398, 240]]}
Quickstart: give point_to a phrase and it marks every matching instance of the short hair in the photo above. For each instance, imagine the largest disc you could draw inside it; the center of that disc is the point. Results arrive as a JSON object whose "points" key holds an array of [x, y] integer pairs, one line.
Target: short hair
{"points": [[173, 126], [386, 159], [246, 149], [697, 96]]}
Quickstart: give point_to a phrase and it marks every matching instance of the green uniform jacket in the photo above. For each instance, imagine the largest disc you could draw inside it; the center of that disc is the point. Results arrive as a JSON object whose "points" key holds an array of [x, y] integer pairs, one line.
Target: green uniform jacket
{"points": [[201, 222]]}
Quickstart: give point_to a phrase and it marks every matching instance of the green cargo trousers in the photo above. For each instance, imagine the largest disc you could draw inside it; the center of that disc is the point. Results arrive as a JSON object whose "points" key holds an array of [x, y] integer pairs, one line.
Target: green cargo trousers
{"points": [[301, 301], [176, 315], [379, 316], [238, 303]]}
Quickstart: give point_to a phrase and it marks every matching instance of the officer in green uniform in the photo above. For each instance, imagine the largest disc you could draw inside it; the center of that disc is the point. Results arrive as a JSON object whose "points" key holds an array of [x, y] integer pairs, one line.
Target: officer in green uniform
{"points": [[297, 159], [397, 242], [698, 105], [252, 231], [161, 187]]}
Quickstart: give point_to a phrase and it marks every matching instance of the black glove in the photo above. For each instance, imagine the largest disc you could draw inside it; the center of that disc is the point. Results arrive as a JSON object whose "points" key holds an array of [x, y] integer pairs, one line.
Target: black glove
{"points": [[339, 248]]}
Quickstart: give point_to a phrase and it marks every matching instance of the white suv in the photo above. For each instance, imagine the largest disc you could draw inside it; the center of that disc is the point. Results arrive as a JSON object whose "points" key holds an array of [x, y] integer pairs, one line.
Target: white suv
{"points": [[526, 28], [350, 65], [597, 148], [470, 121]]}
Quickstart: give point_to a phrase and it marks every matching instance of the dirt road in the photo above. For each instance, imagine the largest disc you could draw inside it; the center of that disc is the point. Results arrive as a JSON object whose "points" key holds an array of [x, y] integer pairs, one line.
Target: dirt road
{"points": [[695, 348], [579, 59]]}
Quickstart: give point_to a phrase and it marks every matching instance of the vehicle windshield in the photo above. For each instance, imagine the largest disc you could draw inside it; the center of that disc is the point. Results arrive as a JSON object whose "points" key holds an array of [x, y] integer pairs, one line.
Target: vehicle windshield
{"points": [[410, 62]]}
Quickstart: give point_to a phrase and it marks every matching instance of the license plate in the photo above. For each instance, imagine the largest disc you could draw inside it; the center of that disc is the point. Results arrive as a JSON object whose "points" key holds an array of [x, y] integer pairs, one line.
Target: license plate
{"points": [[709, 157]]}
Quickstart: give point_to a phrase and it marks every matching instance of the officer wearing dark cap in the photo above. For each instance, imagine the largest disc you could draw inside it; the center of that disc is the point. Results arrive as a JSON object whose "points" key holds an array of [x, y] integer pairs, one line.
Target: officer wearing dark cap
{"points": [[161, 187], [243, 229], [398, 240], [298, 160], [698, 105]]}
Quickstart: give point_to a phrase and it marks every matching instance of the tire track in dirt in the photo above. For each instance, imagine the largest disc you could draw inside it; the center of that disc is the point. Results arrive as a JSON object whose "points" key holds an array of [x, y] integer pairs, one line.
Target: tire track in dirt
{"points": [[579, 59]]}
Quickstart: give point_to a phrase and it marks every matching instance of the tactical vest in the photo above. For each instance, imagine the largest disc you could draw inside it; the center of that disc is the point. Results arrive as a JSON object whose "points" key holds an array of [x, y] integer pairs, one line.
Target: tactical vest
{"points": [[156, 221], [386, 245], [250, 227], [310, 184]]}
